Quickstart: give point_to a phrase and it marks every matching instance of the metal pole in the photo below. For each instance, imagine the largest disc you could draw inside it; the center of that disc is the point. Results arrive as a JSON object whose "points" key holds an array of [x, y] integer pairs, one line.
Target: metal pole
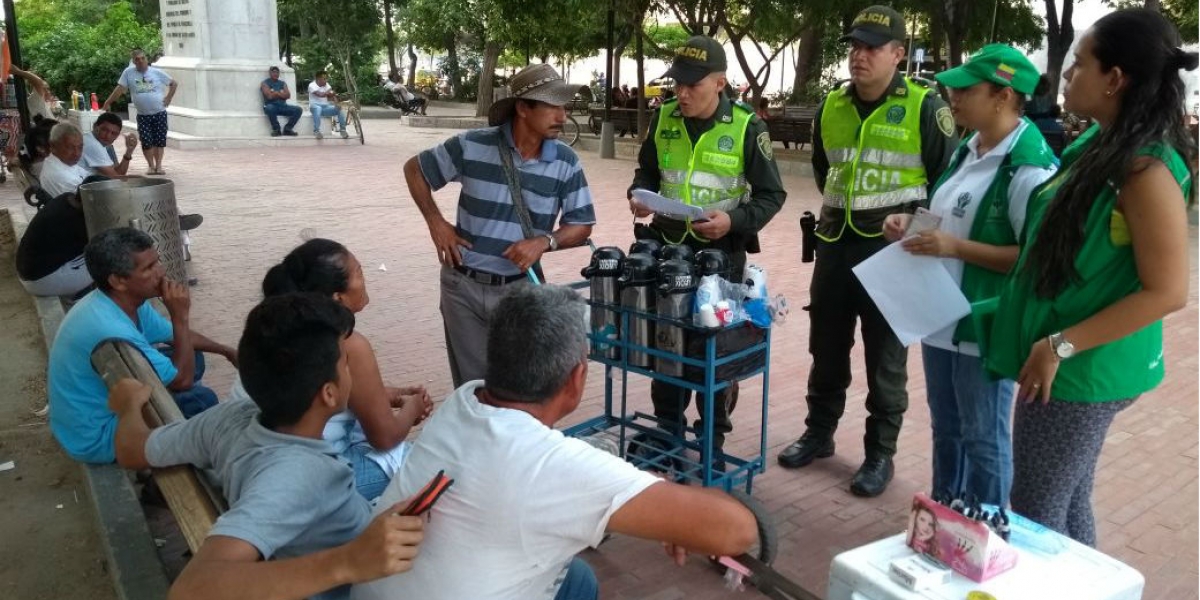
{"points": [[912, 39], [607, 143], [995, 20], [14, 50]]}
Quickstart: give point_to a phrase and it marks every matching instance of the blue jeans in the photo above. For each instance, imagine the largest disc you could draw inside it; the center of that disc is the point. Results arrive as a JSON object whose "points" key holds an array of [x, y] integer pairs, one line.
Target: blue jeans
{"points": [[274, 111], [197, 398], [369, 479], [972, 425], [580, 582], [320, 111]]}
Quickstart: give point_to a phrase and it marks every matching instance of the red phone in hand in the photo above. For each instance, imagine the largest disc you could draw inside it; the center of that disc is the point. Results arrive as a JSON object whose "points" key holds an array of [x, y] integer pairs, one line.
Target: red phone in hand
{"points": [[429, 495]]}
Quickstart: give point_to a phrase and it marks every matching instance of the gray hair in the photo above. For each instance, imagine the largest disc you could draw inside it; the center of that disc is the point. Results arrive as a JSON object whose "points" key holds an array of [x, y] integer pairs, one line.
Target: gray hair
{"points": [[64, 130], [537, 336], [111, 253]]}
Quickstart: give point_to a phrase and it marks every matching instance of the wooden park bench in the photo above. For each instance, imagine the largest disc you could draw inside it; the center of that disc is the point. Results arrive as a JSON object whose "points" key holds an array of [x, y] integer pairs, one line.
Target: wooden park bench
{"points": [[794, 126], [193, 502]]}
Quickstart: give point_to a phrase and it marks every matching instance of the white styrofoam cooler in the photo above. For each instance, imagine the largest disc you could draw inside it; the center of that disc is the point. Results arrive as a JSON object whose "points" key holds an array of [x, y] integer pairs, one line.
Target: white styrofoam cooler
{"points": [[1077, 573]]}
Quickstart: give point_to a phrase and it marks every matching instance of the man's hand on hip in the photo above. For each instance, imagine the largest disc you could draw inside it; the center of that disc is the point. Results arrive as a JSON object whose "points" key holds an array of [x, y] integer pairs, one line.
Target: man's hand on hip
{"points": [[447, 241], [526, 253], [715, 227]]}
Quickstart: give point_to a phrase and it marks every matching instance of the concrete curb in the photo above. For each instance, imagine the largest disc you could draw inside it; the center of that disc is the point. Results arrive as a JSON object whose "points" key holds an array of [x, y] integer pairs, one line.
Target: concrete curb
{"points": [[133, 562]]}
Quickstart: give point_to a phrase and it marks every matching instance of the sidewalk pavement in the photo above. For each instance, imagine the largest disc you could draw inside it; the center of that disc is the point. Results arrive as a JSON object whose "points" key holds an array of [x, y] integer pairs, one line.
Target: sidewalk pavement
{"points": [[259, 203]]}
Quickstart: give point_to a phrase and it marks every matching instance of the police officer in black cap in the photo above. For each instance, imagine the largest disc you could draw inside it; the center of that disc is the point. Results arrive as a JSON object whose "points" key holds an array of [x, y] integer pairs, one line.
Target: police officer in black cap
{"points": [[879, 144], [706, 150]]}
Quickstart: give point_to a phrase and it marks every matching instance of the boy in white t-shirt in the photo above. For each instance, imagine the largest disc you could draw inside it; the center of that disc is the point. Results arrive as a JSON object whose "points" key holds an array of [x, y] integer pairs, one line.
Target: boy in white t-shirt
{"points": [[321, 98], [527, 499]]}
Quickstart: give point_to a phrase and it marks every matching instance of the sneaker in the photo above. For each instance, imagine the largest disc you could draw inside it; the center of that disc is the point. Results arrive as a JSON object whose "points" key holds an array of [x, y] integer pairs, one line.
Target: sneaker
{"points": [[344, 134], [872, 477], [290, 132], [804, 450], [190, 222], [275, 133], [317, 134]]}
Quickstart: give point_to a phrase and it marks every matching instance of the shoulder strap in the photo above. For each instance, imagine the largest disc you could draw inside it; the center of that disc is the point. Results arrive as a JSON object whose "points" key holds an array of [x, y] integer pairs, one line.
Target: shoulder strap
{"points": [[514, 186]]}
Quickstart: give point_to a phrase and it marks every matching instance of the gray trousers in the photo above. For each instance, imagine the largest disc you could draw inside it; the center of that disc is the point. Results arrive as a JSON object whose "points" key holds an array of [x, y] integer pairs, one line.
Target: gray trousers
{"points": [[1055, 450], [467, 307]]}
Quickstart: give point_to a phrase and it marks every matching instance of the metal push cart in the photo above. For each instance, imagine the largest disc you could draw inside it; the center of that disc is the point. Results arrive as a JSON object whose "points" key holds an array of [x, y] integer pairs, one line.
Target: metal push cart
{"points": [[709, 368]]}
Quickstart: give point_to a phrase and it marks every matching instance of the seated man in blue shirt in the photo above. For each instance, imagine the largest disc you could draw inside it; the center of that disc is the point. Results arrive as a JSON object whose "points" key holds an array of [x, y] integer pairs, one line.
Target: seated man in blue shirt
{"points": [[296, 527], [275, 94], [125, 268]]}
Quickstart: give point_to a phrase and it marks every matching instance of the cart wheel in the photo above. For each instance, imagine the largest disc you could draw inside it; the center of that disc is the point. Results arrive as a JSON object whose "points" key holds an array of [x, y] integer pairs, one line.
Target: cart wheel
{"points": [[768, 538]]}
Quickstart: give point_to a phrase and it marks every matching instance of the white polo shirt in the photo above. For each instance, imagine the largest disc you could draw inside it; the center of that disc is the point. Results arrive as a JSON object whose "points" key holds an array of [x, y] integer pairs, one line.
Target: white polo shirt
{"points": [[957, 201]]}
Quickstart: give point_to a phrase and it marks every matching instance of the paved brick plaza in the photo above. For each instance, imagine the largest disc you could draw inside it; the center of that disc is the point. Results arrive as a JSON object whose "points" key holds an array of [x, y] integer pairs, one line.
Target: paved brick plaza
{"points": [[257, 201]]}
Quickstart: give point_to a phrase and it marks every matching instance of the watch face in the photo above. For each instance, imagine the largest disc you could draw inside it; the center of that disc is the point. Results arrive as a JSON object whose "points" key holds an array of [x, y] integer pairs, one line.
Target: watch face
{"points": [[1064, 349]]}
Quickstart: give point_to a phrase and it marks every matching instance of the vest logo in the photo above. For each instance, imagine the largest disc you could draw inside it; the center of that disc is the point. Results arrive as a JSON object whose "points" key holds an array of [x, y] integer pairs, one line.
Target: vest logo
{"points": [[877, 180], [670, 134], [960, 205], [718, 160], [699, 54], [895, 115], [725, 144]]}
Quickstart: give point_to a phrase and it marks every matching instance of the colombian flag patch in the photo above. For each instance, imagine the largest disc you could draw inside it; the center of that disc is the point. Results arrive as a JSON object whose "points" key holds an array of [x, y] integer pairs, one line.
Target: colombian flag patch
{"points": [[1005, 72]]}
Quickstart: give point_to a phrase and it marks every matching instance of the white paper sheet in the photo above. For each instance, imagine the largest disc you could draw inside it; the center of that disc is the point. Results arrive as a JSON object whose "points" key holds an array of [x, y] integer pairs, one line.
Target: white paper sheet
{"points": [[916, 294], [666, 206]]}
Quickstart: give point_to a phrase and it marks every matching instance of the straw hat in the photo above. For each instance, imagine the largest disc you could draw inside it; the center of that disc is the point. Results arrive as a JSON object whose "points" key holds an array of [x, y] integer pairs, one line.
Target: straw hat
{"points": [[535, 82]]}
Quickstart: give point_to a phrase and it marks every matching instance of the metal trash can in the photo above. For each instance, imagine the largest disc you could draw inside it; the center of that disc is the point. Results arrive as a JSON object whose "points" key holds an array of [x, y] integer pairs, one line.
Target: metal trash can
{"points": [[142, 203]]}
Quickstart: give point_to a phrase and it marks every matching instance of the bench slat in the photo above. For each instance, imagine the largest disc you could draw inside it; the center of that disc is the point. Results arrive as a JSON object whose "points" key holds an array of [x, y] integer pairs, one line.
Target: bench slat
{"points": [[193, 503]]}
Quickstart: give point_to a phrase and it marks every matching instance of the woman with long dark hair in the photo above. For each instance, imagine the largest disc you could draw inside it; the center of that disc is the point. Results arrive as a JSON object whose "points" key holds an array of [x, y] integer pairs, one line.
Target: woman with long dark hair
{"points": [[369, 434], [1103, 259]]}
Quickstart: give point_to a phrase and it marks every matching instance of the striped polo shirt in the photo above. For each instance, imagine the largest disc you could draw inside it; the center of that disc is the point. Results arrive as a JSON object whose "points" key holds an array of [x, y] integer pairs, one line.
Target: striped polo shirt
{"points": [[553, 185]]}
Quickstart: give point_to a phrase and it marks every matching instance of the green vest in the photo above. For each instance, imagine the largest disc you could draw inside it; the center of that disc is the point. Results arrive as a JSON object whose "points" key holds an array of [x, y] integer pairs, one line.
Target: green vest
{"points": [[711, 174], [991, 225], [875, 163], [1117, 370]]}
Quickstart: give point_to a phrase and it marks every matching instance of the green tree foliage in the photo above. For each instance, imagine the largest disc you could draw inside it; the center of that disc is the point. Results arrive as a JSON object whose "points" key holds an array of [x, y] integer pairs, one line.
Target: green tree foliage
{"points": [[346, 37], [82, 45], [662, 40]]}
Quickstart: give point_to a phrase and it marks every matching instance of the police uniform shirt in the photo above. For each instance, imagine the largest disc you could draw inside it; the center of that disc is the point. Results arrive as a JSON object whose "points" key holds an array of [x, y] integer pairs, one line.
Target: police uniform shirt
{"points": [[938, 136], [762, 173]]}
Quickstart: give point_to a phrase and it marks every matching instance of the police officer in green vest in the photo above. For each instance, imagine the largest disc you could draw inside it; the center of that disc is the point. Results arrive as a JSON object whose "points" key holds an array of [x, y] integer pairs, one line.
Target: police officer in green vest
{"points": [[878, 145], [707, 150]]}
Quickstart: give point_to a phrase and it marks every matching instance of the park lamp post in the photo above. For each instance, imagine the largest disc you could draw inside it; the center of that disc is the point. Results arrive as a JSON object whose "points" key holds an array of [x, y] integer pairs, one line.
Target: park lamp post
{"points": [[607, 143]]}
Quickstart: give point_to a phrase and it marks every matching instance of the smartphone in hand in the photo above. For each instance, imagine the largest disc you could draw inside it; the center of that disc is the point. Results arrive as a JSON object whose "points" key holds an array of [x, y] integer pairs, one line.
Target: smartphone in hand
{"points": [[923, 220], [429, 495]]}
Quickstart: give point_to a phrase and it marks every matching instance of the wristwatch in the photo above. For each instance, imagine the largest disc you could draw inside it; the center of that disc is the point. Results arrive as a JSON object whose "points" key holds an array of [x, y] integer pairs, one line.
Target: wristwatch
{"points": [[553, 242], [1062, 348]]}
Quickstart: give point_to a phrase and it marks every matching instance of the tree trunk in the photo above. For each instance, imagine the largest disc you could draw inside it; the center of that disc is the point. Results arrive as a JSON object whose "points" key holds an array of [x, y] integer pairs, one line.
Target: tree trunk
{"points": [[618, 51], [451, 66], [808, 60], [642, 124], [487, 77], [957, 13], [412, 66], [391, 38], [1059, 35]]}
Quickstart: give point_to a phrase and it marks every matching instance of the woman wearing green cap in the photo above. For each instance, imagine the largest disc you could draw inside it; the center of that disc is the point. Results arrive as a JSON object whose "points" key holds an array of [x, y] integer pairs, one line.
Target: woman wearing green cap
{"points": [[1103, 260], [981, 200]]}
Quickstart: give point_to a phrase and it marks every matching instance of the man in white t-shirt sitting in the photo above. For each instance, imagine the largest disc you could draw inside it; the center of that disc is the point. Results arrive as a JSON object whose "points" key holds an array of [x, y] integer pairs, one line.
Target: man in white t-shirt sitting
{"points": [[321, 98], [526, 499], [99, 155], [61, 171]]}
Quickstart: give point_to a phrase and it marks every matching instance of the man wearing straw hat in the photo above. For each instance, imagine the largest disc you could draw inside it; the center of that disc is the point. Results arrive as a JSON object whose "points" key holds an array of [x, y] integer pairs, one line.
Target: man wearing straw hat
{"points": [[523, 193]]}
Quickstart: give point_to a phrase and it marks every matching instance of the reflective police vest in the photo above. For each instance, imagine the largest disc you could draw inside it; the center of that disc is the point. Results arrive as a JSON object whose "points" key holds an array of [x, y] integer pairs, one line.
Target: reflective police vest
{"points": [[876, 163], [710, 175]]}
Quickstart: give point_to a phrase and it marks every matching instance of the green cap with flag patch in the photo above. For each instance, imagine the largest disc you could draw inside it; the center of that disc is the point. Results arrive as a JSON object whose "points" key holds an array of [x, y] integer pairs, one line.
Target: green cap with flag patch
{"points": [[1000, 64]]}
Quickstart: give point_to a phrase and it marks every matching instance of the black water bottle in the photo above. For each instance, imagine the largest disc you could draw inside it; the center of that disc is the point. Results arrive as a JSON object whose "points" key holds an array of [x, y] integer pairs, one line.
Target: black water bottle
{"points": [[808, 237]]}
